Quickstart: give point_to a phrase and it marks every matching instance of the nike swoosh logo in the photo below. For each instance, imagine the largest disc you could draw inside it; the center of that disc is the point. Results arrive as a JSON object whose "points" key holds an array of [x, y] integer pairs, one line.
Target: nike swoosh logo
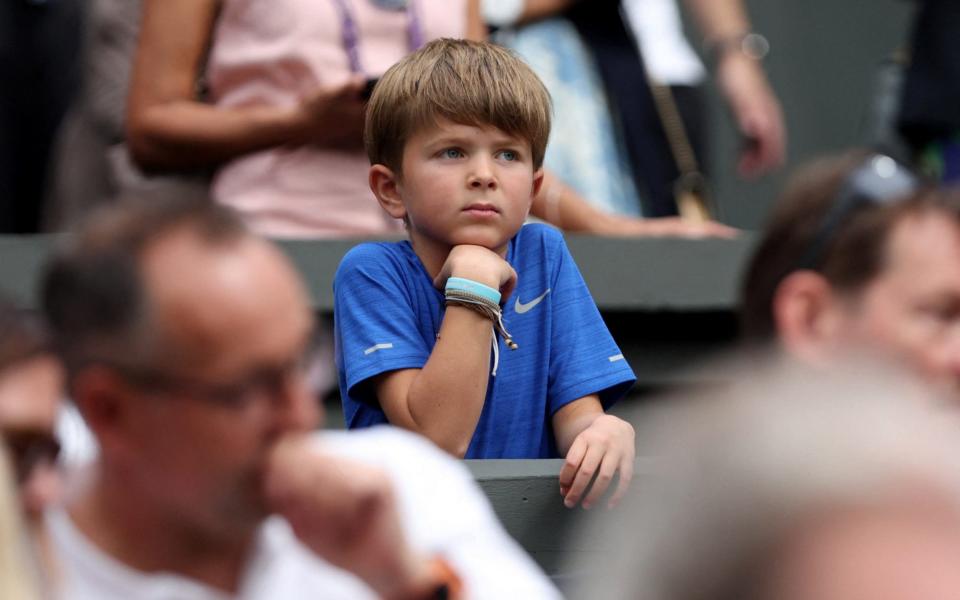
{"points": [[520, 307]]}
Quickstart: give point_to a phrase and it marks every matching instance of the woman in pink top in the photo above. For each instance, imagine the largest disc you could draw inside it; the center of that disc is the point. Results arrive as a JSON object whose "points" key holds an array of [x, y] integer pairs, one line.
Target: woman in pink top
{"points": [[286, 81]]}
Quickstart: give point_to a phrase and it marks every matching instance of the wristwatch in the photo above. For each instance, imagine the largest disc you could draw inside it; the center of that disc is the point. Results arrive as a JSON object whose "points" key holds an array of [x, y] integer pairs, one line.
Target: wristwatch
{"points": [[445, 583], [751, 44]]}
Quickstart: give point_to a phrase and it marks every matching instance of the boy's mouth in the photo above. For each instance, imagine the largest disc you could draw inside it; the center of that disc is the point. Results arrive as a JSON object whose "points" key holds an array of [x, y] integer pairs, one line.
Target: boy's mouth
{"points": [[481, 209]]}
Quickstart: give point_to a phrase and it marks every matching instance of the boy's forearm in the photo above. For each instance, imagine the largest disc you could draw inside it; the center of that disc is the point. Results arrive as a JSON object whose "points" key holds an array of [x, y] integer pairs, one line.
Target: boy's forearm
{"points": [[446, 398], [573, 418]]}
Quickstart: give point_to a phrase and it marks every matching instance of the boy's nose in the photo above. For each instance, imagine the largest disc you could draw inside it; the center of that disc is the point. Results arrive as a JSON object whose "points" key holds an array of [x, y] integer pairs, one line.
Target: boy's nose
{"points": [[481, 176]]}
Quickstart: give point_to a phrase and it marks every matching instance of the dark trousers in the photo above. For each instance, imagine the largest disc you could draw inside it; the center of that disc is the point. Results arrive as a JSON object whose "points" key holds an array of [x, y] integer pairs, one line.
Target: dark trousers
{"points": [[39, 75], [930, 110], [621, 69]]}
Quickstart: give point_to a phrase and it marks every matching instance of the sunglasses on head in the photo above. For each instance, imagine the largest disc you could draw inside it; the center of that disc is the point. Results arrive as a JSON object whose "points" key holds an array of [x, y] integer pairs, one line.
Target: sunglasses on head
{"points": [[30, 449], [878, 181]]}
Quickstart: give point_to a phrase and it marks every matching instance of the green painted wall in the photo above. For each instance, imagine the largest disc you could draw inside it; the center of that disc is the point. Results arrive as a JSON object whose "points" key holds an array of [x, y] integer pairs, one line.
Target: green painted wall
{"points": [[823, 63]]}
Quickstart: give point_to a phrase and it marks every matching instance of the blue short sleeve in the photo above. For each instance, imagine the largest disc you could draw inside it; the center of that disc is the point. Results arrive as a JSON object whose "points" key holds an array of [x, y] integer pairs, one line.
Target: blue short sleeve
{"points": [[387, 314], [377, 325], [584, 358]]}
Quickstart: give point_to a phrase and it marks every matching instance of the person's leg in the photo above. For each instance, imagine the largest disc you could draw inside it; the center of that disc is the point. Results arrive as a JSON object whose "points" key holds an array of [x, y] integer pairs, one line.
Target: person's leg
{"points": [[39, 65], [621, 67]]}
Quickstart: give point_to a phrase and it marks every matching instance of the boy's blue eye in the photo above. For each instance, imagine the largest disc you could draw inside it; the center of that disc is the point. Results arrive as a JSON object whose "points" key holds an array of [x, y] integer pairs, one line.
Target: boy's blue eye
{"points": [[509, 155], [451, 153]]}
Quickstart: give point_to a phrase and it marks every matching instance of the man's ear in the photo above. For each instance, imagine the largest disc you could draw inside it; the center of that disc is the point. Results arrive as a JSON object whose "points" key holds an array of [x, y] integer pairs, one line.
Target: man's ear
{"points": [[808, 316], [384, 184], [104, 399]]}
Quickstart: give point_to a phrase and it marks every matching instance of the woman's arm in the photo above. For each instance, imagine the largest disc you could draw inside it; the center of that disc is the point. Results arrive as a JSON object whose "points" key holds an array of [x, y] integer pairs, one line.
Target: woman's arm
{"points": [[561, 206], [744, 85], [540, 9], [476, 27], [169, 128]]}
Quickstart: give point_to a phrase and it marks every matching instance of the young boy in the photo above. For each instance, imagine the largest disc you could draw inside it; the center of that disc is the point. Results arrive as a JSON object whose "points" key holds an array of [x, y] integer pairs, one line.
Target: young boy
{"points": [[456, 134]]}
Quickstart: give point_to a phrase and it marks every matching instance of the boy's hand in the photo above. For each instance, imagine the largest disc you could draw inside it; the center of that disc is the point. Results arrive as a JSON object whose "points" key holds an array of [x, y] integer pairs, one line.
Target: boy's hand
{"points": [[478, 264], [603, 448], [342, 510]]}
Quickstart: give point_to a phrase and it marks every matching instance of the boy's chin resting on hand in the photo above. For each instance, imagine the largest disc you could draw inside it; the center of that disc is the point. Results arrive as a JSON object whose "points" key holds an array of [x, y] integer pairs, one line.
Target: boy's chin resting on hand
{"points": [[479, 264]]}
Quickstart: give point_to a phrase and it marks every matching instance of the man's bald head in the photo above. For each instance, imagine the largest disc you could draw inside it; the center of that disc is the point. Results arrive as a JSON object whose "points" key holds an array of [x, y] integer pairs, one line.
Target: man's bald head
{"points": [[93, 289], [205, 297]]}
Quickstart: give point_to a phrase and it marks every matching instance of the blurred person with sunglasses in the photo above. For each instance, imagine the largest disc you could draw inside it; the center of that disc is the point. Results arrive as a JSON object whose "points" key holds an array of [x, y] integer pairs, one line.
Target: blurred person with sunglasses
{"points": [[31, 381], [783, 486], [860, 256], [184, 337], [20, 576], [31, 385]]}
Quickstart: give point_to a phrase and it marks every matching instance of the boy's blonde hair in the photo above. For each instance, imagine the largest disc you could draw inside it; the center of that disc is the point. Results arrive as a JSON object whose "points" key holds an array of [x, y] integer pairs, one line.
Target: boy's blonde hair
{"points": [[471, 83]]}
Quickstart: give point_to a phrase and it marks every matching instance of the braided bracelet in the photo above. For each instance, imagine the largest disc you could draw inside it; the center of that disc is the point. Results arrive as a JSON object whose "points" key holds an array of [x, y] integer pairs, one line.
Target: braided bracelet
{"points": [[481, 299], [487, 309]]}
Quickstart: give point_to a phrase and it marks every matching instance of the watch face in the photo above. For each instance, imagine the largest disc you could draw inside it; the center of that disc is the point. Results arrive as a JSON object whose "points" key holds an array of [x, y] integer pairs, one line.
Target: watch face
{"points": [[390, 4], [755, 46]]}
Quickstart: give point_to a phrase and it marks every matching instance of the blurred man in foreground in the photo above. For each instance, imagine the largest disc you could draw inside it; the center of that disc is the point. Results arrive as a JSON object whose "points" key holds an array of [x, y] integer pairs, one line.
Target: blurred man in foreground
{"points": [[782, 487], [31, 384], [31, 388], [184, 338]]}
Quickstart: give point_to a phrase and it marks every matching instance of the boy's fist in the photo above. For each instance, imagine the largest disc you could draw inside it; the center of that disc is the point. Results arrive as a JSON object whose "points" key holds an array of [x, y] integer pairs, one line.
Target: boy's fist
{"points": [[478, 264]]}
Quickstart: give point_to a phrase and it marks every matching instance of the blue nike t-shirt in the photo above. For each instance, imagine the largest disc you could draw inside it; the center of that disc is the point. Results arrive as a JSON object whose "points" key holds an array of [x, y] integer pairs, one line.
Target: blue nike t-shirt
{"points": [[387, 314]]}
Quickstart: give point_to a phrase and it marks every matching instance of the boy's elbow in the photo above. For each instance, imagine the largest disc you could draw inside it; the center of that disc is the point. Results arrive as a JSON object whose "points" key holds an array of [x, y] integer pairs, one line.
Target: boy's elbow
{"points": [[455, 448], [452, 445], [436, 430]]}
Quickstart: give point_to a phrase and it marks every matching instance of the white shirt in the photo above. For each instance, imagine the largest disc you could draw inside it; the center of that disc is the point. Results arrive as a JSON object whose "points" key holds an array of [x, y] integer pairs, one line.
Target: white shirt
{"points": [[667, 55], [655, 24], [441, 507]]}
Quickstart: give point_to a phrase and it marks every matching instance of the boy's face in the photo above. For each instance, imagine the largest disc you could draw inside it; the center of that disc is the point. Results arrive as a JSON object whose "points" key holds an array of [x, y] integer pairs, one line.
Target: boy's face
{"points": [[462, 184]]}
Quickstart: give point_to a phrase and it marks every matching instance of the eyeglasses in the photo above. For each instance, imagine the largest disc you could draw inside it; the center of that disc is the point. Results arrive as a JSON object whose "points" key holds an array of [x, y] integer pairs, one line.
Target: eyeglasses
{"points": [[30, 448], [879, 181], [268, 382]]}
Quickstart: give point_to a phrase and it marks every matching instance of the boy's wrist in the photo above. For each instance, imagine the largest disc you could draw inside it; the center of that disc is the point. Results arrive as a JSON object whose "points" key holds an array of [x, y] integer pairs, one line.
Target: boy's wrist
{"points": [[470, 286], [476, 263], [477, 276]]}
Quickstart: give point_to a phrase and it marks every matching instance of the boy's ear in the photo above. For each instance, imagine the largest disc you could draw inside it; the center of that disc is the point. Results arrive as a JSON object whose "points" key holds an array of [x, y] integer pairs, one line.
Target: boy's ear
{"points": [[537, 182], [383, 183]]}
